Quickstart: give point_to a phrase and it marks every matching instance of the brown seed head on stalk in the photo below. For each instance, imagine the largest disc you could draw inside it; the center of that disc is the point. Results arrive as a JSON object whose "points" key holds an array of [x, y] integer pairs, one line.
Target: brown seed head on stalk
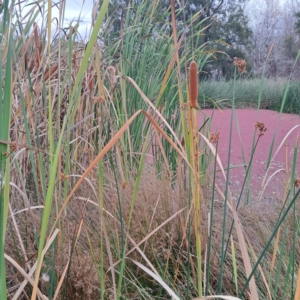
{"points": [[74, 57], [37, 40], [260, 126], [72, 30], [297, 182], [31, 65], [241, 64], [193, 84], [26, 61], [214, 137], [50, 72], [98, 99], [112, 76], [13, 146]]}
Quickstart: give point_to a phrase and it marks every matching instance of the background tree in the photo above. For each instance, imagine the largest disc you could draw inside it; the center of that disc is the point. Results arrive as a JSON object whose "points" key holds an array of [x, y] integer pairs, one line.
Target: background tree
{"points": [[224, 28], [297, 24], [275, 40], [229, 34]]}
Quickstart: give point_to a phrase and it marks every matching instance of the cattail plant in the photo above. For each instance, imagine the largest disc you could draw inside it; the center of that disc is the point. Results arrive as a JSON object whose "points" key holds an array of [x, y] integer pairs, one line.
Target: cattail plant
{"points": [[194, 160], [193, 84], [38, 44]]}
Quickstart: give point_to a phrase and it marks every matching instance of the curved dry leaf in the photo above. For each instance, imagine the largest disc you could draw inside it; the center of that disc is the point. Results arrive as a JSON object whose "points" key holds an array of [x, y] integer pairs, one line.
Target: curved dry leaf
{"points": [[157, 278], [145, 98], [213, 150], [279, 147], [218, 297]]}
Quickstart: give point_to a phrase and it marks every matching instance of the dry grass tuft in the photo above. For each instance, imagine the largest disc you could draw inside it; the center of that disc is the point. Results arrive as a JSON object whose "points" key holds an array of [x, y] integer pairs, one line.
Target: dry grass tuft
{"points": [[157, 201]]}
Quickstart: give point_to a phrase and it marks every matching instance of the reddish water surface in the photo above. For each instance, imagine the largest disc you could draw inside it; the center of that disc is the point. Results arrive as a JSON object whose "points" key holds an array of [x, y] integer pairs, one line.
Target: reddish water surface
{"points": [[277, 125]]}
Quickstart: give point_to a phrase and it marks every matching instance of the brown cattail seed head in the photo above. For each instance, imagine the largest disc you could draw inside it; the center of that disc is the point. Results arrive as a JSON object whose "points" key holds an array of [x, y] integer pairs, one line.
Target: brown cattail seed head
{"points": [[51, 71], [37, 40], [193, 84]]}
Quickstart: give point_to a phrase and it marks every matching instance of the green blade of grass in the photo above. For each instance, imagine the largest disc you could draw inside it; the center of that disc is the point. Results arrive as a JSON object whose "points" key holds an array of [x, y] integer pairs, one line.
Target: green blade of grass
{"points": [[5, 115], [234, 264], [223, 253]]}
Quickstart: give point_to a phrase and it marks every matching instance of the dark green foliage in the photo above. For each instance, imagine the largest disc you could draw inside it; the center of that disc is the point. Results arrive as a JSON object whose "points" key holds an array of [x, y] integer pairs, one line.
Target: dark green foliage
{"points": [[291, 46], [230, 36], [212, 93], [224, 28], [292, 102], [297, 24]]}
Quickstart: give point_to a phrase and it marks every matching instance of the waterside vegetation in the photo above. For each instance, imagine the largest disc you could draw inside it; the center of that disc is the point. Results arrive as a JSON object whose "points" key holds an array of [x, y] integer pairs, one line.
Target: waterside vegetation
{"points": [[108, 185]]}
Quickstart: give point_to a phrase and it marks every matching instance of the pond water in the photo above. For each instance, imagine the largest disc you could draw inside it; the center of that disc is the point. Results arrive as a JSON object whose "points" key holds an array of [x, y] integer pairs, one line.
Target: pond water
{"points": [[243, 133]]}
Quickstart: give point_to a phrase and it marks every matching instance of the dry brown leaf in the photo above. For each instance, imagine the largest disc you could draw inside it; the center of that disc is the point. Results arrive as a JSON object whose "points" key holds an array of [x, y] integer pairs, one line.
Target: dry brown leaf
{"points": [[297, 294]]}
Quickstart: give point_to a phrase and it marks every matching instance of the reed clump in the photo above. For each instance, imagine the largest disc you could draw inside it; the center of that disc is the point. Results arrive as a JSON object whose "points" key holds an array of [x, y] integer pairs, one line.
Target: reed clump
{"points": [[109, 176]]}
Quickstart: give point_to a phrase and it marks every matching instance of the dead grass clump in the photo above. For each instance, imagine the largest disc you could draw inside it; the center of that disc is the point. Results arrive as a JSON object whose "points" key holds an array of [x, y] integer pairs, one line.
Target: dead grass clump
{"points": [[258, 221], [155, 203], [83, 278], [166, 249]]}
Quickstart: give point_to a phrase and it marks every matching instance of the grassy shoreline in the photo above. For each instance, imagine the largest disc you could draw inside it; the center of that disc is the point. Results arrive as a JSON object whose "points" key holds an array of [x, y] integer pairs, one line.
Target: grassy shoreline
{"points": [[247, 93]]}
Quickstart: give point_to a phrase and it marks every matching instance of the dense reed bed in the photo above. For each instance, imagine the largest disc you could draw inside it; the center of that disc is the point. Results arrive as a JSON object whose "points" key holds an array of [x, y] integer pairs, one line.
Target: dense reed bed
{"points": [[108, 187], [248, 90]]}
